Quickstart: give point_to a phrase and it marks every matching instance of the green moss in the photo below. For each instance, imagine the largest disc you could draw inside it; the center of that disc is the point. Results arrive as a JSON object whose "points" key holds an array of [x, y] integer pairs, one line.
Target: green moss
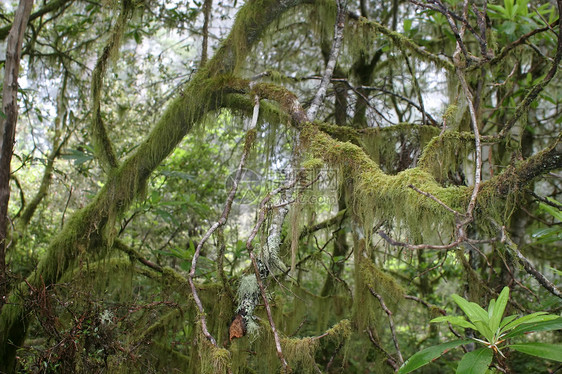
{"points": [[214, 360], [312, 163], [382, 283], [388, 197], [300, 353], [404, 42], [446, 153], [341, 330]]}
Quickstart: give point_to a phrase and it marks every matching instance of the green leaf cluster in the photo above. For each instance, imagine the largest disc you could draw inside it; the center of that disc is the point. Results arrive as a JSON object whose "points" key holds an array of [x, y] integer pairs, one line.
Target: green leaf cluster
{"points": [[494, 331]]}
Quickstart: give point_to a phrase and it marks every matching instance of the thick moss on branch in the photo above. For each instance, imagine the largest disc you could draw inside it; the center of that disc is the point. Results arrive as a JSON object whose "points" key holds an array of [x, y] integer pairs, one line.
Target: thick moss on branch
{"points": [[386, 196], [300, 353], [251, 22], [445, 154], [93, 226], [103, 146]]}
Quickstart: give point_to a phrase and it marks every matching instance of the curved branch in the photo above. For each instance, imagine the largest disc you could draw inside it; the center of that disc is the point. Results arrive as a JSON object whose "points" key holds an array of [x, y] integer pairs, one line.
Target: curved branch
{"points": [[91, 225], [103, 146], [53, 5]]}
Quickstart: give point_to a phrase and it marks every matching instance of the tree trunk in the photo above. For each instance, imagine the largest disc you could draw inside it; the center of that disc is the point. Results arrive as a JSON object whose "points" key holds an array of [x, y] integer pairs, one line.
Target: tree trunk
{"points": [[8, 128]]}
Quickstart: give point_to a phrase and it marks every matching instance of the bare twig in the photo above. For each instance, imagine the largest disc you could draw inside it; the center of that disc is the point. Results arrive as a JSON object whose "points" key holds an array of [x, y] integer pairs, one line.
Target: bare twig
{"points": [[529, 268], [393, 242], [427, 194], [250, 136], [389, 359], [390, 322], [330, 66]]}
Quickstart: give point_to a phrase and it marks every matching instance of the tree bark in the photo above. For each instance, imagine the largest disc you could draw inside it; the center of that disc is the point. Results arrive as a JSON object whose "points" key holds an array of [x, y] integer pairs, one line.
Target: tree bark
{"points": [[8, 128]]}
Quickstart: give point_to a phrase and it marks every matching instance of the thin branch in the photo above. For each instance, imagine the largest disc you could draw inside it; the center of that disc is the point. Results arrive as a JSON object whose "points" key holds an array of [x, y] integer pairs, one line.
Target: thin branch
{"points": [[401, 40], [477, 146], [427, 194], [416, 86], [522, 40], [524, 106], [552, 203], [51, 6], [268, 311], [250, 136], [390, 322], [207, 6], [103, 146], [439, 309], [389, 359], [330, 66], [393, 242], [133, 254], [529, 268], [371, 88]]}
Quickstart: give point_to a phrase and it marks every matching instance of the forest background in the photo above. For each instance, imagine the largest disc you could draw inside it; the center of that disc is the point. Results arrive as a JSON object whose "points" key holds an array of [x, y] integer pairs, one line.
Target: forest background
{"points": [[276, 185]]}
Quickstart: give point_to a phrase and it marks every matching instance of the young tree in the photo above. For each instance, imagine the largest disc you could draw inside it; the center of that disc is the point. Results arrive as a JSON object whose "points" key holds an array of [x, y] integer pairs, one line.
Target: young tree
{"points": [[415, 146]]}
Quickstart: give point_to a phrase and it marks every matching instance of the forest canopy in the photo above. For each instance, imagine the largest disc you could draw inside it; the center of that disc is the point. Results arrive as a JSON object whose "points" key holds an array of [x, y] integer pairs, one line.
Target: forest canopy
{"points": [[280, 186]]}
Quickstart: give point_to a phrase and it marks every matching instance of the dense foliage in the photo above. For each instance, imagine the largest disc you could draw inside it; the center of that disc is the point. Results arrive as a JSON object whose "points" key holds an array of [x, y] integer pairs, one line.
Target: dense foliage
{"points": [[282, 186]]}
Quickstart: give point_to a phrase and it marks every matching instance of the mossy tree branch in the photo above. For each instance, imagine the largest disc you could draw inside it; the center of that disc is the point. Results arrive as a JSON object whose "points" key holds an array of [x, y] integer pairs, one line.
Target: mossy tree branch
{"points": [[407, 43], [391, 191], [103, 146], [92, 226]]}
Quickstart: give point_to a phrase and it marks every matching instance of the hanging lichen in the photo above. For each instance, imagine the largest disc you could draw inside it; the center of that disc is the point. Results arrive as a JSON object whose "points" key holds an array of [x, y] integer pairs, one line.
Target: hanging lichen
{"points": [[300, 353], [388, 197], [214, 360]]}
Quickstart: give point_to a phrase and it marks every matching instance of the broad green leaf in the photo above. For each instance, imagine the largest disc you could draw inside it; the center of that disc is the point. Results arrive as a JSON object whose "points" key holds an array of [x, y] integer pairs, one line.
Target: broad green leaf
{"points": [[484, 329], [508, 4], [476, 362], [544, 350], [473, 311], [507, 320], [455, 320], [491, 308], [496, 8], [546, 325], [427, 355], [556, 213], [508, 28], [499, 309], [530, 318]]}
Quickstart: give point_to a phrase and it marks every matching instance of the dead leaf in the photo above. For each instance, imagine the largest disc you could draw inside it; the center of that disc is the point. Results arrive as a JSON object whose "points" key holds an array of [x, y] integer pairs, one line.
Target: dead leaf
{"points": [[237, 327]]}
